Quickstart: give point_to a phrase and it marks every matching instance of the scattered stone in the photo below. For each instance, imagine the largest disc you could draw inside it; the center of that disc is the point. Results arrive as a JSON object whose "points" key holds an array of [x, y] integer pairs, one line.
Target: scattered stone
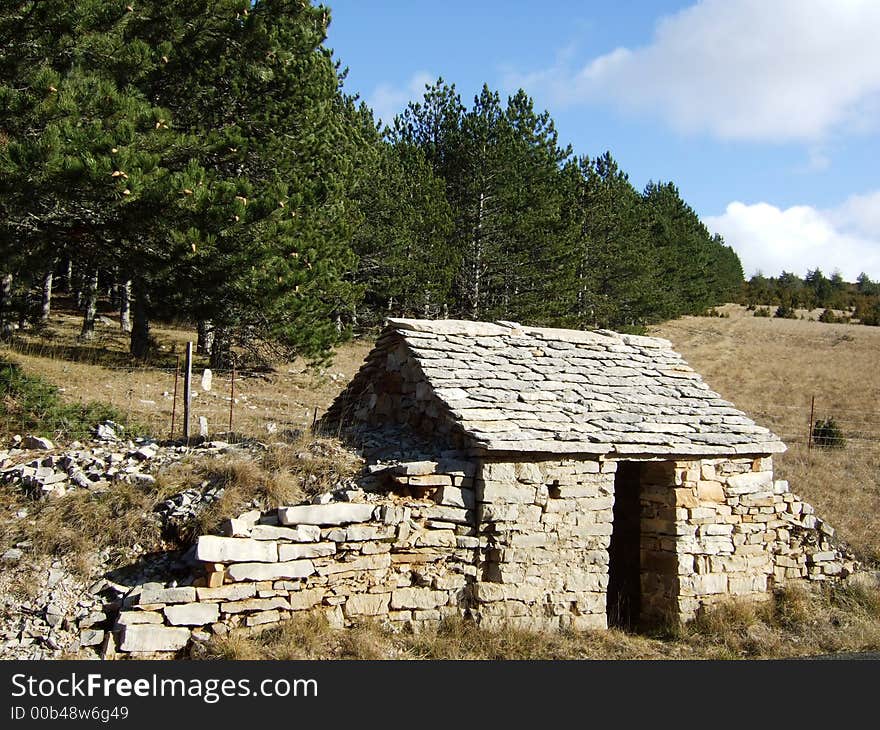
{"points": [[13, 555], [106, 431], [91, 637], [37, 443]]}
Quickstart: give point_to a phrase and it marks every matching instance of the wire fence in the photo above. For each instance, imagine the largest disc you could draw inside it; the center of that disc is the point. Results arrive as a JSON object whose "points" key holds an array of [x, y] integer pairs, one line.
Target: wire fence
{"points": [[223, 402]]}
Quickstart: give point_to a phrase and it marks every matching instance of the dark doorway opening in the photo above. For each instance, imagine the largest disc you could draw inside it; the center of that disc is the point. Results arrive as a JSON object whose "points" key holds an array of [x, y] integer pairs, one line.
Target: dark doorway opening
{"points": [[624, 573]]}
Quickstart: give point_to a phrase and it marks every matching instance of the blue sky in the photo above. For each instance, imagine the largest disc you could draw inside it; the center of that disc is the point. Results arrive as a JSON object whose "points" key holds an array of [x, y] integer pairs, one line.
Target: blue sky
{"points": [[764, 112]]}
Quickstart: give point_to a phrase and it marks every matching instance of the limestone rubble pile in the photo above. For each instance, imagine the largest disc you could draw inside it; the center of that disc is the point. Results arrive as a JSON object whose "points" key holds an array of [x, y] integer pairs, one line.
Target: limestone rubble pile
{"points": [[43, 471]]}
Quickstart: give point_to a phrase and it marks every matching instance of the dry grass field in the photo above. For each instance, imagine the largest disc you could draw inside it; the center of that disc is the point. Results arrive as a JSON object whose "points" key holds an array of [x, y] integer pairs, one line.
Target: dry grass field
{"points": [[769, 368], [102, 370]]}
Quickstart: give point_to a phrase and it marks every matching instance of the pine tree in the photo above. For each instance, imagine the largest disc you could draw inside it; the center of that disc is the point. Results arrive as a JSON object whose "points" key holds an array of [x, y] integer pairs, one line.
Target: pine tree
{"points": [[400, 239]]}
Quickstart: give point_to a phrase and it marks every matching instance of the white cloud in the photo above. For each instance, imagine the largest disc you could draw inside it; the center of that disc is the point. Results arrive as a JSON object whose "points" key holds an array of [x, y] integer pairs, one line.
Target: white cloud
{"points": [[388, 100], [740, 69], [770, 240]]}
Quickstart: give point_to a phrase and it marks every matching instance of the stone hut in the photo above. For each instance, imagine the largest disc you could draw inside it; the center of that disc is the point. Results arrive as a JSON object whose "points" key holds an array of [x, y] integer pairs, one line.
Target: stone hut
{"points": [[595, 479]]}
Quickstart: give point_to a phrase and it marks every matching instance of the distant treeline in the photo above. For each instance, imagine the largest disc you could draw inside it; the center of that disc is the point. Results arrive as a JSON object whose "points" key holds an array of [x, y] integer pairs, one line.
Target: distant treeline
{"points": [[857, 300], [202, 161]]}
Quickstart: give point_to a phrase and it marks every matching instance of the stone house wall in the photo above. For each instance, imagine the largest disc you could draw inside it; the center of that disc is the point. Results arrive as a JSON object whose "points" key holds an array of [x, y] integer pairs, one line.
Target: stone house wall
{"points": [[391, 389], [545, 528]]}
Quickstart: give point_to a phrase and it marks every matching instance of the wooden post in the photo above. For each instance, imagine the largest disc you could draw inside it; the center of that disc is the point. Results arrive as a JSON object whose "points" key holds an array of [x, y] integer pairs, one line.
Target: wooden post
{"points": [[174, 401], [812, 411], [231, 398], [187, 389], [315, 420]]}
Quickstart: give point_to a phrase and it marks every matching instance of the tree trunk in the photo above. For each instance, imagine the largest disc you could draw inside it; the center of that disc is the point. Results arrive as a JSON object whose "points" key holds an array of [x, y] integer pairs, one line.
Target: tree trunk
{"points": [[125, 306], [221, 352], [46, 300], [205, 340], [68, 276], [477, 253], [77, 284], [139, 344], [90, 306], [6, 326]]}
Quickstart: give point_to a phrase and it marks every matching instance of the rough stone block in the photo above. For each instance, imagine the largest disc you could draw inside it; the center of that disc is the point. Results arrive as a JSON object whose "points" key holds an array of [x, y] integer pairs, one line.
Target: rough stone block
{"points": [[255, 604], [498, 472], [288, 552], [686, 498], [138, 617], [300, 533], [333, 513], [232, 592], [434, 538], [271, 571], [264, 617], [455, 497], [154, 595], [505, 493], [192, 614], [528, 472], [751, 481], [421, 598], [710, 491], [430, 480], [362, 533], [415, 468], [213, 549], [149, 637], [367, 604], [305, 600], [449, 514], [488, 592]]}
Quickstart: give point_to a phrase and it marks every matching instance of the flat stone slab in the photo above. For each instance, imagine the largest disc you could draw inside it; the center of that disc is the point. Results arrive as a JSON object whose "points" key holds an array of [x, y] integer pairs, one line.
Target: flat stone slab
{"points": [[334, 513], [192, 614], [271, 571], [149, 637], [288, 552], [256, 604], [300, 533], [138, 617], [151, 595], [213, 549], [233, 592]]}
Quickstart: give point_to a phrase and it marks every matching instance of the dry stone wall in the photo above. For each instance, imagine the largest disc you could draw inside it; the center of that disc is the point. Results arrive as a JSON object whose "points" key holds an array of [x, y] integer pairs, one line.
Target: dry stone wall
{"points": [[739, 532], [406, 558], [546, 526], [521, 543], [391, 389]]}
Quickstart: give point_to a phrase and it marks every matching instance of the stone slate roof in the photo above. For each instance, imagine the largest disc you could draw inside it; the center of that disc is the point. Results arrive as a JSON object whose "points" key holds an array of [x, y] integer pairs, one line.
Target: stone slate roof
{"points": [[516, 388]]}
